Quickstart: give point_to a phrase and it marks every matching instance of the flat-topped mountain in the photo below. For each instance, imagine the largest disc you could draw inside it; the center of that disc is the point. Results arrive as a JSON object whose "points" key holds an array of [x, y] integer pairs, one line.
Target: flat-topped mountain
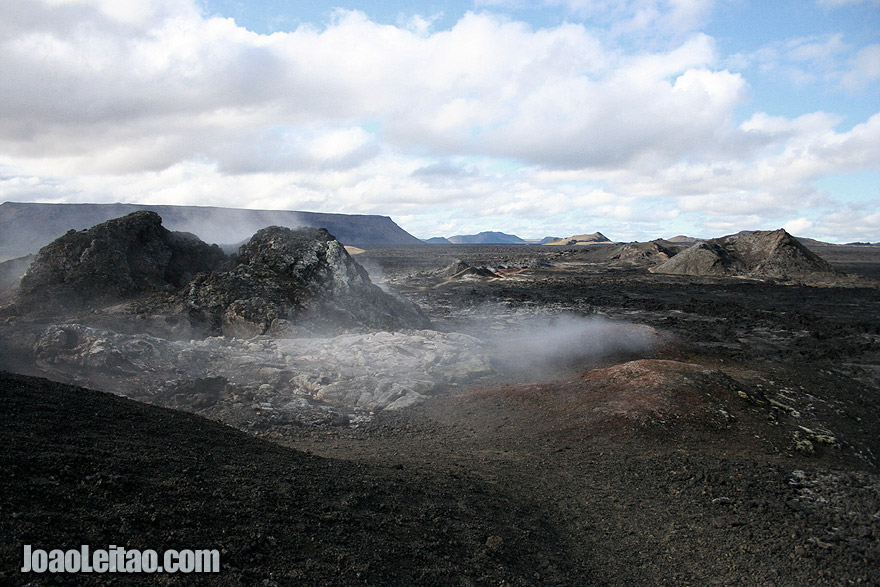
{"points": [[486, 238], [682, 239], [25, 227], [580, 239]]}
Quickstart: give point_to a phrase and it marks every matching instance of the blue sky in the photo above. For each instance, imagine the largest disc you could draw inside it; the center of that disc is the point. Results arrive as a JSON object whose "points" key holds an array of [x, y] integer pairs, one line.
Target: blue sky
{"points": [[638, 118]]}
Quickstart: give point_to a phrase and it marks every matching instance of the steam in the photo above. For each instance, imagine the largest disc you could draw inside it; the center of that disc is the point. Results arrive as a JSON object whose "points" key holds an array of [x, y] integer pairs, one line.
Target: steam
{"points": [[376, 273], [548, 347], [228, 227]]}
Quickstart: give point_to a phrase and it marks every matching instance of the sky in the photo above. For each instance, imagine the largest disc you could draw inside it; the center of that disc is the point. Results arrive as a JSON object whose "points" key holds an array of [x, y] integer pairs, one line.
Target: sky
{"points": [[637, 118]]}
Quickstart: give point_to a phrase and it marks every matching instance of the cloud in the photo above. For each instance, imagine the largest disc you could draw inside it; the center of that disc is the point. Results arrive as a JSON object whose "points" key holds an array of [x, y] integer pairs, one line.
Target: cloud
{"points": [[190, 87], [489, 120], [824, 61], [656, 17], [864, 69]]}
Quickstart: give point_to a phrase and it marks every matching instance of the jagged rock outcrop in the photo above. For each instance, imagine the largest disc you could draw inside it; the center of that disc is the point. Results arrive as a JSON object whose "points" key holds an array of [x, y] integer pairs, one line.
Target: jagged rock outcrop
{"points": [[774, 254], [117, 260], [285, 279]]}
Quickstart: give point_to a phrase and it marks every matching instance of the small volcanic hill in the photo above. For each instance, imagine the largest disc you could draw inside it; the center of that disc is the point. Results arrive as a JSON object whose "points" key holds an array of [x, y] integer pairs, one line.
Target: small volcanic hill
{"points": [[642, 254], [116, 260], [580, 239], [280, 278], [461, 270], [774, 254], [438, 240]]}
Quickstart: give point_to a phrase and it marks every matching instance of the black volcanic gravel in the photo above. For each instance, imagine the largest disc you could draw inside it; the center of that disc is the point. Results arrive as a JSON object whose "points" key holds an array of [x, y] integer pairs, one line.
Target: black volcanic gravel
{"points": [[83, 467]]}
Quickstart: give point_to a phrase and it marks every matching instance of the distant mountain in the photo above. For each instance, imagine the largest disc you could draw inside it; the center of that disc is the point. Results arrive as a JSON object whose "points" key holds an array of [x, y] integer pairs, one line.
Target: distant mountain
{"points": [[595, 238], [858, 244], [437, 240], [26, 227], [684, 240], [487, 238], [549, 239]]}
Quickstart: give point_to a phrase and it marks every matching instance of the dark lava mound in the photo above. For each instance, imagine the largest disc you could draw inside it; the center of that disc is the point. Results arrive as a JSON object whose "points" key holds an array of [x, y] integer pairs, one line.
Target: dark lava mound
{"points": [[285, 277], [178, 285], [116, 260], [774, 254]]}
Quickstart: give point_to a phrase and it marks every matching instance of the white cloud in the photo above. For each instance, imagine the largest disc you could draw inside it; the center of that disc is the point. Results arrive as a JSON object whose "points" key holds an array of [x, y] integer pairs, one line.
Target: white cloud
{"points": [[490, 119], [825, 61], [626, 17], [864, 70], [798, 226]]}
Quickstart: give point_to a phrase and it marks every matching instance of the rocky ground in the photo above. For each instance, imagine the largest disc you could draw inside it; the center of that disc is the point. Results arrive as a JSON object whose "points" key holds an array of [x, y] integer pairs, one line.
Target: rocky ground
{"points": [[729, 437]]}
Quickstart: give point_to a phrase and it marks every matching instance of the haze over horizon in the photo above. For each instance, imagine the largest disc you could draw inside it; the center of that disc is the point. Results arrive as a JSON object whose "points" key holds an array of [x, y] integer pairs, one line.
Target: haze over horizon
{"points": [[639, 119]]}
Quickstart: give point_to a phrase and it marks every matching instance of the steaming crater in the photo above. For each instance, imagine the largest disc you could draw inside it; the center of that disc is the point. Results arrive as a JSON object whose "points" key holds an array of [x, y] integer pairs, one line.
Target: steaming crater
{"points": [[290, 329]]}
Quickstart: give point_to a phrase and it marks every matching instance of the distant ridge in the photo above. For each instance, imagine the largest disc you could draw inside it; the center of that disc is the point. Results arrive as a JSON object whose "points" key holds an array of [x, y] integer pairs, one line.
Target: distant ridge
{"points": [[811, 242], [487, 238], [580, 239], [26, 227]]}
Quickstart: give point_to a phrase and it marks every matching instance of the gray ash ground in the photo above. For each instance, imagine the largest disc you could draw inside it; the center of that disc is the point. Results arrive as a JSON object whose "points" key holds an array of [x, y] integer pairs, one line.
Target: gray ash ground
{"points": [[770, 479]]}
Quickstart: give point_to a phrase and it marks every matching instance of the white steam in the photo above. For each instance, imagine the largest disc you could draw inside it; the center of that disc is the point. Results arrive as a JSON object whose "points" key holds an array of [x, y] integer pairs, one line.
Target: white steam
{"points": [[542, 346], [226, 226]]}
